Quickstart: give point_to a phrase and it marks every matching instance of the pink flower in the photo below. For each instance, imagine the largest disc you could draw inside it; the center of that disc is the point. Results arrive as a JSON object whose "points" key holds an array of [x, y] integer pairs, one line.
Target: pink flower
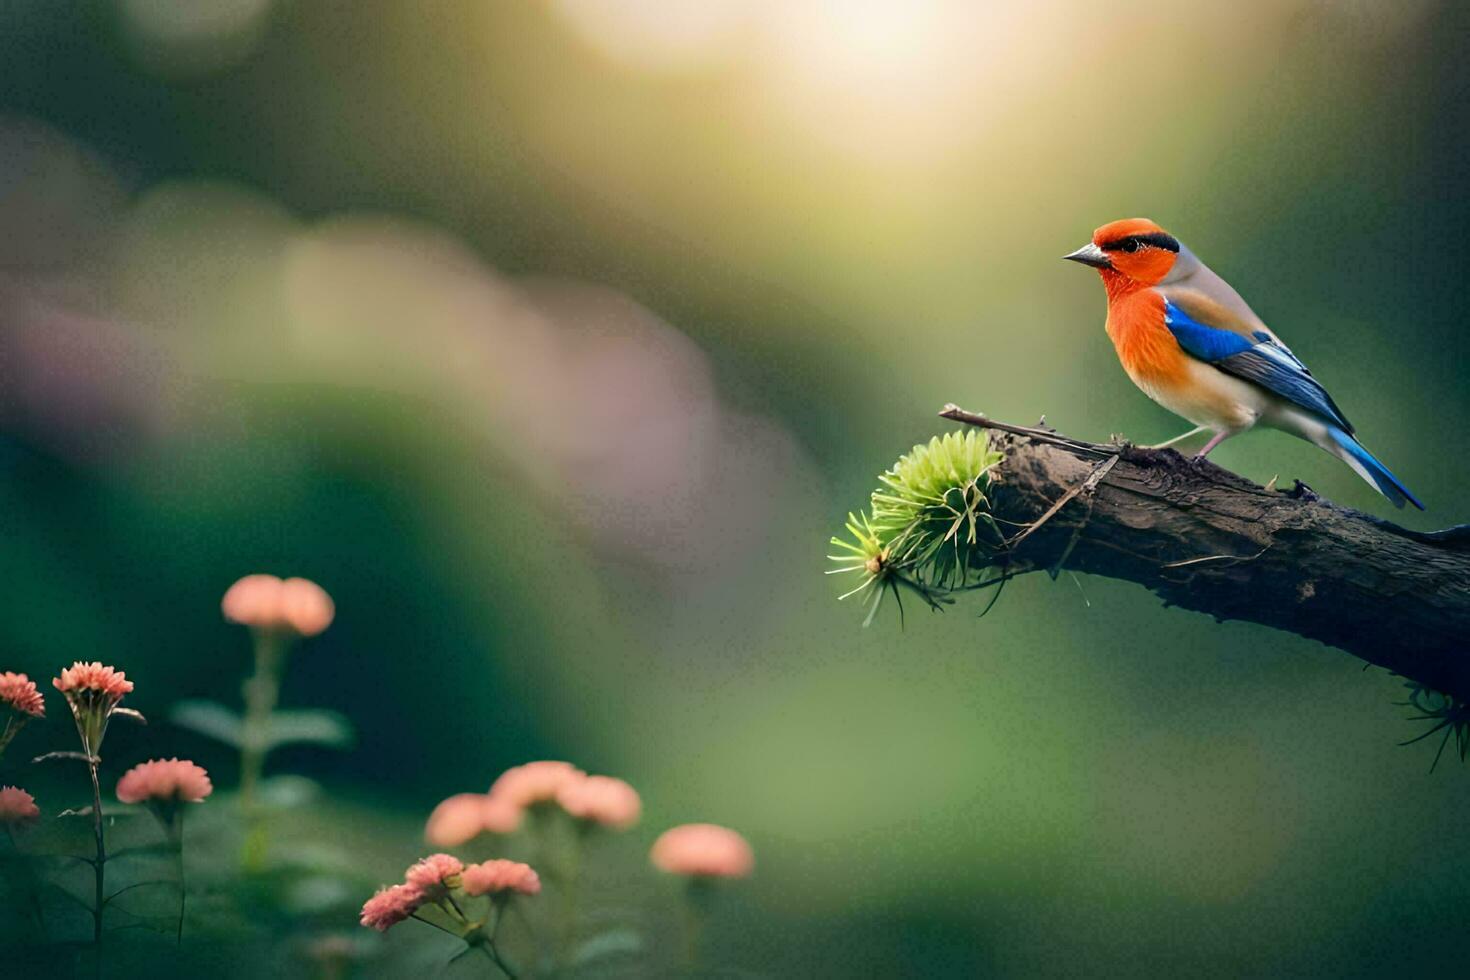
{"points": [[465, 816], [500, 815], [602, 800], [434, 875], [19, 692], [456, 820], [534, 782], [92, 692], [704, 850], [81, 677], [164, 781], [17, 807], [254, 600], [496, 877], [391, 906], [306, 606], [264, 602]]}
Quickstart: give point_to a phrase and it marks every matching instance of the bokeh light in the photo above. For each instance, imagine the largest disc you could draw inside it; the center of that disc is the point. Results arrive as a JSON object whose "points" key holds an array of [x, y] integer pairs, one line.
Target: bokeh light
{"points": [[195, 38]]}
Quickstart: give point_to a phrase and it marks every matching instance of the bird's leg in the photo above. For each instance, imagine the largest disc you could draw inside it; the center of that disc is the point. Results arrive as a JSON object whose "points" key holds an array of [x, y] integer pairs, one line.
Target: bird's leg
{"points": [[1178, 439], [1218, 438]]}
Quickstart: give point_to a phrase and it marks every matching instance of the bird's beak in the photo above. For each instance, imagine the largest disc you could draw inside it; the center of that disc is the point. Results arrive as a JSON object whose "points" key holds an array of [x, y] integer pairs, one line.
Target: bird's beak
{"points": [[1090, 254]]}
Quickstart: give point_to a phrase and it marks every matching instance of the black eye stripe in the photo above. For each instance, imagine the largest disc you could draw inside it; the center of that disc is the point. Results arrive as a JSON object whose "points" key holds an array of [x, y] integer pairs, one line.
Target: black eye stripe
{"points": [[1133, 243]]}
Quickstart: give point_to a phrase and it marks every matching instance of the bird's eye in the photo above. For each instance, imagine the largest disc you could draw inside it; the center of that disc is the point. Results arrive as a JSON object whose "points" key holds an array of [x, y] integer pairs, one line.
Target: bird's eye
{"points": [[1131, 245]]}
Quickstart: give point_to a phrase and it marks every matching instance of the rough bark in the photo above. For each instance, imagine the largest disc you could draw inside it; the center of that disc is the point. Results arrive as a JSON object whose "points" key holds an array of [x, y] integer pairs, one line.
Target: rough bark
{"points": [[1205, 539]]}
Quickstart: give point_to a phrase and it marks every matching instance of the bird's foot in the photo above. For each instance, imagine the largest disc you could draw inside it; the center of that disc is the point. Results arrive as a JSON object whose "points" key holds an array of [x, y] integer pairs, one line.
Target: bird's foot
{"points": [[1300, 491], [1219, 437]]}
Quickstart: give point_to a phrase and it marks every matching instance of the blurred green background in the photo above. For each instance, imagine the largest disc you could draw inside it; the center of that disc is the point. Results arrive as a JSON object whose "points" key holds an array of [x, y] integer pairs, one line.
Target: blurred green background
{"points": [[554, 339]]}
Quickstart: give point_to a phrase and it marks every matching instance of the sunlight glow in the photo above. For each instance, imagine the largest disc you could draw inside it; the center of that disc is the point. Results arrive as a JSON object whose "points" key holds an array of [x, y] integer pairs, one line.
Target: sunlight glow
{"points": [[661, 36], [883, 80]]}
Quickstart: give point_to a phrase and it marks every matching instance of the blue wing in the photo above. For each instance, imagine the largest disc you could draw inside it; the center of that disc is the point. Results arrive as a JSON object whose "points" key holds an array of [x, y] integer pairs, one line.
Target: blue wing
{"points": [[1259, 358]]}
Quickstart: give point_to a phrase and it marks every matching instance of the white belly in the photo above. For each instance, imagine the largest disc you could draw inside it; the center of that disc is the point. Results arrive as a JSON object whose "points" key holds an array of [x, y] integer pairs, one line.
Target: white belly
{"points": [[1209, 397]]}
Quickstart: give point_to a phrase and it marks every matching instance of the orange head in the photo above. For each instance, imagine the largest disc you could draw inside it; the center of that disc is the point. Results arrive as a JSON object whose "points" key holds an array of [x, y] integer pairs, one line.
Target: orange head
{"points": [[1133, 250]]}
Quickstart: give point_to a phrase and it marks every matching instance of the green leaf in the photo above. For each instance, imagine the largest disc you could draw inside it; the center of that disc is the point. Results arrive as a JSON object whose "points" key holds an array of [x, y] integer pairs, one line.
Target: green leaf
{"points": [[110, 811], [210, 719], [49, 756], [309, 726], [287, 792], [137, 884], [56, 889], [304, 726]]}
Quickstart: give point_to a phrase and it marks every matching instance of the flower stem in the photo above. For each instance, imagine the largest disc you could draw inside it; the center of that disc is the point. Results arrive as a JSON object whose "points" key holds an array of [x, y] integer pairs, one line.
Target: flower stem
{"points": [[477, 937], [13, 724], [178, 842], [531, 929], [498, 960], [430, 922], [571, 893], [261, 693], [693, 926], [98, 866], [696, 909]]}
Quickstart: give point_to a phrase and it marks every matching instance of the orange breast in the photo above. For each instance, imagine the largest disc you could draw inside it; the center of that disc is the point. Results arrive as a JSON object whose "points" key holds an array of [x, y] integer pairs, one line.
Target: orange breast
{"points": [[1149, 352]]}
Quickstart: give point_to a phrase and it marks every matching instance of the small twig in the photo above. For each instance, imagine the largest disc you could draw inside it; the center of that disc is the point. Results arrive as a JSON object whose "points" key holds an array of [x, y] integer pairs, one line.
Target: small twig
{"points": [[1196, 561], [956, 414], [1089, 488], [1050, 512], [1085, 487]]}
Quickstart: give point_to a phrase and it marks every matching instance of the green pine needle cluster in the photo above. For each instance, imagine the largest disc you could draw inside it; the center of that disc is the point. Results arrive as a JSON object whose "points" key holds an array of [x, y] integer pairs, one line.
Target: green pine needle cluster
{"points": [[928, 529], [1447, 714]]}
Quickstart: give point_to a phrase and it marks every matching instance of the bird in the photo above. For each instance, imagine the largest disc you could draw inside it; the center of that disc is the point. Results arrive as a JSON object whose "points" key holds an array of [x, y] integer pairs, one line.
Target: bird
{"points": [[1191, 343]]}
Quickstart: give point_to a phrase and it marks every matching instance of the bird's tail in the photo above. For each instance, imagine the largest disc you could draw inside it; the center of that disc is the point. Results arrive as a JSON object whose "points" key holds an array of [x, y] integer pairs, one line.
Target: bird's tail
{"points": [[1350, 451]]}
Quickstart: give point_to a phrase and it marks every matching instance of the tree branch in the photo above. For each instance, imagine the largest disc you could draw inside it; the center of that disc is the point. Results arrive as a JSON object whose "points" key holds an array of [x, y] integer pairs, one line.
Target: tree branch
{"points": [[1205, 539]]}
